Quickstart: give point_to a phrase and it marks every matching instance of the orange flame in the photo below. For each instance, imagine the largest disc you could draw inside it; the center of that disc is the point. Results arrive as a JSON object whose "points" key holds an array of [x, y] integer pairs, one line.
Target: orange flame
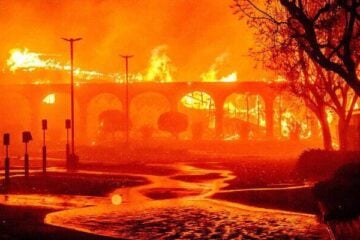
{"points": [[212, 74], [160, 68], [198, 100], [29, 61]]}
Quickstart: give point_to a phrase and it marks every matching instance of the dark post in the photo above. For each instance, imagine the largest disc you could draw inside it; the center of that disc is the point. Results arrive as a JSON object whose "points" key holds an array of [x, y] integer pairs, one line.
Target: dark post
{"points": [[44, 128], [67, 126], [7, 160], [26, 139], [126, 57], [72, 157], [258, 111], [247, 107], [280, 119]]}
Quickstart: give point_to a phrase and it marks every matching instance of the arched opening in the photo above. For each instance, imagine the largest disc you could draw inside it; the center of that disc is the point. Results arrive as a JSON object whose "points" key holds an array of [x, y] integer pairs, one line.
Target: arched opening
{"points": [[96, 107], [55, 108], [200, 108], [244, 117], [145, 110], [293, 120], [16, 117]]}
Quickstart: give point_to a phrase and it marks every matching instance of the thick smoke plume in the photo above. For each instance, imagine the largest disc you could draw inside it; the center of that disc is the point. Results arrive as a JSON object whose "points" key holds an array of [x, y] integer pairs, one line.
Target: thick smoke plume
{"points": [[195, 33]]}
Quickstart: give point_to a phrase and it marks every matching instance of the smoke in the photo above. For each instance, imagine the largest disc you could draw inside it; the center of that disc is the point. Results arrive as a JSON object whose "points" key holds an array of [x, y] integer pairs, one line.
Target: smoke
{"points": [[195, 32]]}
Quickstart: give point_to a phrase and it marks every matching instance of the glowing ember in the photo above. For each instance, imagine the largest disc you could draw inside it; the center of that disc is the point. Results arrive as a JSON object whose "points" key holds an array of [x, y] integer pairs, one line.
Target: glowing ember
{"points": [[116, 199], [50, 99]]}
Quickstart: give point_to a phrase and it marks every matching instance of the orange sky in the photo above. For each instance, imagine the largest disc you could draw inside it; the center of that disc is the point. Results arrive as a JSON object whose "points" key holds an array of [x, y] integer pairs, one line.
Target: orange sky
{"points": [[195, 32]]}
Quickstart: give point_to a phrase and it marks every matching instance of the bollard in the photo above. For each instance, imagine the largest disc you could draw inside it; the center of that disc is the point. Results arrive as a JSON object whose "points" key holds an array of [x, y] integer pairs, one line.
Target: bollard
{"points": [[26, 165], [44, 159], [44, 128], [26, 139], [67, 155], [6, 141]]}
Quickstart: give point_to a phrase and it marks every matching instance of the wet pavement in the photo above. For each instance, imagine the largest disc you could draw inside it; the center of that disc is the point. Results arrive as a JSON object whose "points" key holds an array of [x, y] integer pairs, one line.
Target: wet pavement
{"points": [[186, 216]]}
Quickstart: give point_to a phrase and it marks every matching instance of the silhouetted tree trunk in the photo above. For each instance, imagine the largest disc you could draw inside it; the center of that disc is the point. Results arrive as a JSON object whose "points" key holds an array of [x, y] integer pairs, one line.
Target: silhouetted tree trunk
{"points": [[343, 130], [325, 129], [342, 101]]}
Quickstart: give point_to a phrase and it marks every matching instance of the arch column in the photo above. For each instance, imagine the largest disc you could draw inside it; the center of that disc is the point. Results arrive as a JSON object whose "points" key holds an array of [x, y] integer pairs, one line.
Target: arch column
{"points": [[269, 116], [174, 101], [219, 116]]}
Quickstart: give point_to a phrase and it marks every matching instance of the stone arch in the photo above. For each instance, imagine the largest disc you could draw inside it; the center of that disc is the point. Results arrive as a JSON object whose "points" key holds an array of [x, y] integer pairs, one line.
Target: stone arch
{"points": [[98, 104], [244, 116], [199, 106], [145, 109], [291, 113]]}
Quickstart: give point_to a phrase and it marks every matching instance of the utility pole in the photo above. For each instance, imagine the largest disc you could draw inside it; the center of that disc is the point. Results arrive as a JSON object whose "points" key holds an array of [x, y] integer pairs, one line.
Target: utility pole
{"points": [[126, 57], [71, 41]]}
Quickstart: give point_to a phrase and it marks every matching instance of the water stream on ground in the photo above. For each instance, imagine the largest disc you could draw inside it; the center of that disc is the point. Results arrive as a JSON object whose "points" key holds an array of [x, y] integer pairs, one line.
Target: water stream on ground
{"points": [[169, 208]]}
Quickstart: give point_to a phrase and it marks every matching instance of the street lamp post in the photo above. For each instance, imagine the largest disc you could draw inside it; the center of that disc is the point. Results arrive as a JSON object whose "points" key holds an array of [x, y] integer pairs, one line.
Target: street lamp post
{"points": [[67, 127], [126, 57], [71, 41]]}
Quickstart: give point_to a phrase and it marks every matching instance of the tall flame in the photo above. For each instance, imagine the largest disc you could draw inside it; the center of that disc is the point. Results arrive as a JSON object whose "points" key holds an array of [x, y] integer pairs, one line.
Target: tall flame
{"points": [[212, 74], [160, 68]]}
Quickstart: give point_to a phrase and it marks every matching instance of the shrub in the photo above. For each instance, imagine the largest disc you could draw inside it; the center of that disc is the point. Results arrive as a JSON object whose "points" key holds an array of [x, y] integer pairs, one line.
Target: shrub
{"points": [[320, 164], [173, 122], [340, 196]]}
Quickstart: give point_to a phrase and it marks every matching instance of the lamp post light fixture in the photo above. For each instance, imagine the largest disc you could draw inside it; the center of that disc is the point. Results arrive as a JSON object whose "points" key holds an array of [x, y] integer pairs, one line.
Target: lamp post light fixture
{"points": [[72, 157], [26, 137]]}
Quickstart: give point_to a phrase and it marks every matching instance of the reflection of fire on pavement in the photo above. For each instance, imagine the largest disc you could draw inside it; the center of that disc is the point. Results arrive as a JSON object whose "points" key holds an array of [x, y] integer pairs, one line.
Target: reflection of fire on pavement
{"points": [[186, 216]]}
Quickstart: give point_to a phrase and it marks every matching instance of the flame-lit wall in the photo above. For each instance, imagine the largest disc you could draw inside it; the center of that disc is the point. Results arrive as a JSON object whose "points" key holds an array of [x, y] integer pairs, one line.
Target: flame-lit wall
{"points": [[169, 96]]}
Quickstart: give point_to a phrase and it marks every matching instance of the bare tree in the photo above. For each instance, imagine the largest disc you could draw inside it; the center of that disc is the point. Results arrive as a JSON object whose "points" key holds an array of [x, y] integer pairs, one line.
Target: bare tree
{"points": [[282, 49], [303, 82], [323, 90], [327, 30]]}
